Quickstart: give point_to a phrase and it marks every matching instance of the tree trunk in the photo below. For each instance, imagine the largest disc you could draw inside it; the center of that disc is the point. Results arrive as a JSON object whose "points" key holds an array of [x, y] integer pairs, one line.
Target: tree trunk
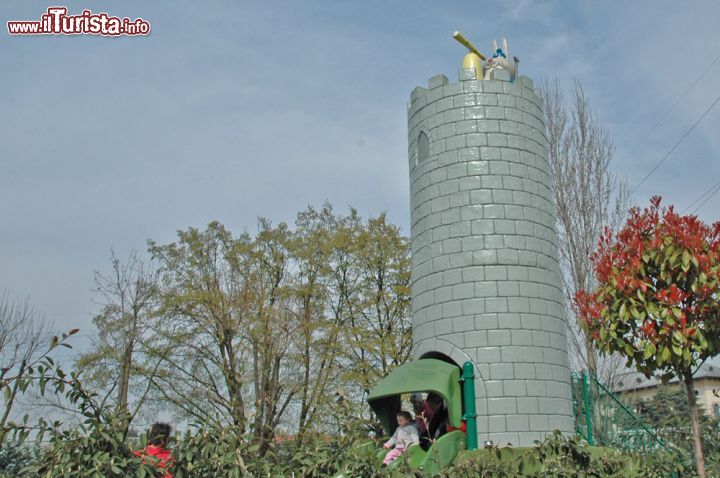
{"points": [[233, 382], [307, 369], [121, 407], [695, 420], [10, 401], [590, 356]]}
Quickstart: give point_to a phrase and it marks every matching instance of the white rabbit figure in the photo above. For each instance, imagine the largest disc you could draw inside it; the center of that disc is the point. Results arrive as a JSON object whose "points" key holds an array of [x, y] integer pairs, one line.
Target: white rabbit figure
{"points": [[500, 61]]}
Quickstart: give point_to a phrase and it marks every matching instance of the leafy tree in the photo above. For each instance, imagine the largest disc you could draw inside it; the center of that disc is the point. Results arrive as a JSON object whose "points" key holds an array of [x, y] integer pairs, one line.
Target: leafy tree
{"points": [[360, 279], [281, 329], [205, 304], [324, 286], [380, 328], [363, 287], [656, 300], [667, 411], [271, 324], [235, 311]]}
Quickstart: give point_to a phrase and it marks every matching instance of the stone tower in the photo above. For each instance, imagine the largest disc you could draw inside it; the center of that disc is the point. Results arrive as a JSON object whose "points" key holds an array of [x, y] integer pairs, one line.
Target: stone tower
{"points": [[486, 283]]}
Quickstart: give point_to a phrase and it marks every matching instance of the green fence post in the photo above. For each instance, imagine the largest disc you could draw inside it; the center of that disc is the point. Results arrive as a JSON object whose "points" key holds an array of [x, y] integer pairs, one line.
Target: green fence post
{"points": [[468, 379], [588, 413]]}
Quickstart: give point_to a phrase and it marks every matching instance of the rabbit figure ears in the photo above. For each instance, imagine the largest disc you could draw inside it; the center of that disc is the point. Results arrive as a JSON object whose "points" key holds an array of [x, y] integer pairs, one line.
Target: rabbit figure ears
{"points": [[500, 52]]}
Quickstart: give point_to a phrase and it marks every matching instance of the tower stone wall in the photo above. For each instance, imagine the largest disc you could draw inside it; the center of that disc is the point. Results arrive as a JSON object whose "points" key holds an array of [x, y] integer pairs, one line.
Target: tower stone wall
{"points": [[486, 283]]}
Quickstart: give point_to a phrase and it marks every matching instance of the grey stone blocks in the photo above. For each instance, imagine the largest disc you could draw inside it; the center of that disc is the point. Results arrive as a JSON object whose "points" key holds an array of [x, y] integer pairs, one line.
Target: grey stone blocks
{"points": [[437, 81], [467, 74], [485, 275]]}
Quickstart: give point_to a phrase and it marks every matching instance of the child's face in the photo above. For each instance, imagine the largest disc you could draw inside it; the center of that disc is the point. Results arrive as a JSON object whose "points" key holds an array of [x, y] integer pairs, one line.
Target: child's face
{"points": [[402, 421]]}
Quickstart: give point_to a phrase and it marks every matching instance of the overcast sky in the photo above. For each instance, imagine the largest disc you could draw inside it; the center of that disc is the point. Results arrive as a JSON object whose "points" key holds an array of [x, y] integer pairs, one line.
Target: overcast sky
{"points": [[233, 110]]}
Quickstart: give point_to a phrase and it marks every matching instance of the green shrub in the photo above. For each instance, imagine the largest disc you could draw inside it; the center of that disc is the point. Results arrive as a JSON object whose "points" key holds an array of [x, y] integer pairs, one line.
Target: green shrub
{"points": [[98, 454], [96, 449], [560, 456], [14, 456], [215, 451], [99, 449]]}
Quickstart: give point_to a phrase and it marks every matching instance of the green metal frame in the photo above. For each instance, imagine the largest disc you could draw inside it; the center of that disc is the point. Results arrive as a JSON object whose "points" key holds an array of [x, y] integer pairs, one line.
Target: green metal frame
{"points": [[470, 416], [603, 420]]}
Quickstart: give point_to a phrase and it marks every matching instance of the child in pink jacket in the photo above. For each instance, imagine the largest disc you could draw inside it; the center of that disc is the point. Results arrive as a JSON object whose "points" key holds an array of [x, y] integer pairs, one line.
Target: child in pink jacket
{"points": [[406, 434]]}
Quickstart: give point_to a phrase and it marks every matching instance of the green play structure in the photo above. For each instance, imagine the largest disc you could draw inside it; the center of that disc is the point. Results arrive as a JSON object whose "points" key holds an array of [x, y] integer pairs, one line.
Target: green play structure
{"points": [[600, 417], [445, 380]]}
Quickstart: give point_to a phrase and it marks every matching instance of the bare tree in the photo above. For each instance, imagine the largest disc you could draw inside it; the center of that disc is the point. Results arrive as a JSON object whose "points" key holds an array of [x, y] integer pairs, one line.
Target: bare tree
{"points": [[588, 197], [128, 296], [25, 341]]}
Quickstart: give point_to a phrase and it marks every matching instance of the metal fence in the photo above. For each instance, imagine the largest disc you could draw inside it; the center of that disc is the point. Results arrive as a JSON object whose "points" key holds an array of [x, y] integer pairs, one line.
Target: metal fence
{"points": [[603, 420]]}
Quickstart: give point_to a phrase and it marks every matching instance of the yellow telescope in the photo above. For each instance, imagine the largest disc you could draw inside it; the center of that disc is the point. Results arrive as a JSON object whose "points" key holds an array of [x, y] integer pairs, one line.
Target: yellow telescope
{"points": [[473, 59]]}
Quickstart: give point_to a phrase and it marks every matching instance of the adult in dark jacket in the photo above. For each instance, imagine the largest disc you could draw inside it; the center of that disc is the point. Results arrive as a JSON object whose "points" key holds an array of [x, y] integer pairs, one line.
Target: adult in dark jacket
{"points": [[438, 420]]}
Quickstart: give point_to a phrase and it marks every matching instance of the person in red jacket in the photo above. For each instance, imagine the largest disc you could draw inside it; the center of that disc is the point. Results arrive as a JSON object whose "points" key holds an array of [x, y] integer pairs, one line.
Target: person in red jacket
{"points": [[156, 453]]}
